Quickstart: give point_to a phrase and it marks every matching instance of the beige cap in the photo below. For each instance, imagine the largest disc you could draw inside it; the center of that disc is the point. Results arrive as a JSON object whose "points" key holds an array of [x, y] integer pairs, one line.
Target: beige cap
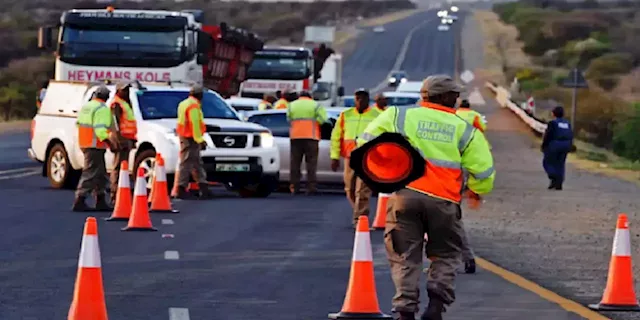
{"points": [[439, 84], [122, 85]]}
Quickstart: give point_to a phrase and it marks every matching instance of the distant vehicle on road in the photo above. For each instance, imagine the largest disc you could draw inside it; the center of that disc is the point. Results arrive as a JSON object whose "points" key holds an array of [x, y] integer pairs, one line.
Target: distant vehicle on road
{"points": [[410, 86], [379, 29], [397, 77], [395, 98], [242, 105], [443, 27], [446, 20], [276, 121]]}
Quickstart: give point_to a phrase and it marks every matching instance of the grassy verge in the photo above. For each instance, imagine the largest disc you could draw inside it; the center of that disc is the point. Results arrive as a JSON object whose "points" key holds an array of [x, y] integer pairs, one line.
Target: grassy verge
{"points": [[14, 125]]}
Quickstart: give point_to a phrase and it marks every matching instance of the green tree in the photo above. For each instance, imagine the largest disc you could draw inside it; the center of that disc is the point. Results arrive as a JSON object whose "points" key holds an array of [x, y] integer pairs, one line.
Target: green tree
{"points": [[625, 139], [11, 97]]}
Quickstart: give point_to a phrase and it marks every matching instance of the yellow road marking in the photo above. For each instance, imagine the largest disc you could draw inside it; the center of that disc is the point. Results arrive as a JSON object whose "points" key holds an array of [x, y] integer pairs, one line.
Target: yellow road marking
{"points": [[546, 294]]}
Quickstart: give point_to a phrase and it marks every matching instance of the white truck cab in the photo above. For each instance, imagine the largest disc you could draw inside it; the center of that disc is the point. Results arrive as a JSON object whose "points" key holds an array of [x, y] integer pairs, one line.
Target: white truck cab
{"points": [[240, 155]]}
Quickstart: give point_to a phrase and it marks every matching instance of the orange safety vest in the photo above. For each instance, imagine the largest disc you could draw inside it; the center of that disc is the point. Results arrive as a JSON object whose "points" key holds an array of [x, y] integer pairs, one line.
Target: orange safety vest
{"points": [[185, 129], [128, 125], [303, 117]]}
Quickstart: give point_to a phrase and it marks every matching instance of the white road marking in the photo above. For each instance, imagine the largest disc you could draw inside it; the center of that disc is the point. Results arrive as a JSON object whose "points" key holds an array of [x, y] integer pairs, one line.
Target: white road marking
{"points": [[178, 314], [167, 221], [171, 255], [18, 170], [34, 172], [401, 55]]}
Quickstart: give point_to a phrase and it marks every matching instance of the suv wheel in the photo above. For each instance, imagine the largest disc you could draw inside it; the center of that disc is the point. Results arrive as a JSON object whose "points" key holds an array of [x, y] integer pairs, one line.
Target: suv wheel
{"points": [[147, 161], [59, 171]]}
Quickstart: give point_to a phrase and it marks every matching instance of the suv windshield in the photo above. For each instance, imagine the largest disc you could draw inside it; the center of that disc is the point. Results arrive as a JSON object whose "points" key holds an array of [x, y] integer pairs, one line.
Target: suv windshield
{"points": [[164, 105]]}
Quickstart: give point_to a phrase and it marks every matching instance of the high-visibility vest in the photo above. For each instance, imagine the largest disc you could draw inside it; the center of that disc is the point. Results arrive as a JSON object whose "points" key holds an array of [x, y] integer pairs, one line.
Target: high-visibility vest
{"points": [[472, 117], [94, 120], [41, 93], [348, 128], [449, 145], [264, 105], [190, 120], [305, 116], [128, 126], [282, 104]]}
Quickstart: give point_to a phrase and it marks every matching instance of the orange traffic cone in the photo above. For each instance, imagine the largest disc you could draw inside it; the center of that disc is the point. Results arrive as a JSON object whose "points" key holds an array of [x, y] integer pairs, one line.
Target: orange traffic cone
{"points": [[381, 212], [160, 201], [122, 210], [361, 300], [619, 294], [88, 295], [139, 219]]}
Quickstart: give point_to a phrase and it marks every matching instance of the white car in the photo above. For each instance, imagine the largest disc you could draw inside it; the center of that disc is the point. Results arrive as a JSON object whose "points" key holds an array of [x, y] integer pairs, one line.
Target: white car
{"points": [[410, 86], [242, 156], [443, 27], [276, 121], [379, 29], [395, 98], [243, 105]]}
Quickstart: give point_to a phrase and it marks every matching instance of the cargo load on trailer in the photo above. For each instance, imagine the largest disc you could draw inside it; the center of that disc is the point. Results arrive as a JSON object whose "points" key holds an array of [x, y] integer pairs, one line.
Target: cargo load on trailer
{"points": [[150, 46]]}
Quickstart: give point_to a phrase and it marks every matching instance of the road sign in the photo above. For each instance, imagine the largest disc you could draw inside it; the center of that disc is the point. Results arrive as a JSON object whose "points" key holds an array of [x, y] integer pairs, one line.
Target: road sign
{"points": [[467, 76], [575, 79]]}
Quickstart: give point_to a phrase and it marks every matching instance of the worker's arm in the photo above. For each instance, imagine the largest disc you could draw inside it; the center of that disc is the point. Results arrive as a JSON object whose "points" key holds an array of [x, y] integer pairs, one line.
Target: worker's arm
{"points": [[321, 115], [336, 136], [385, 122], [478, 161], [195, 115], [101, 122]]}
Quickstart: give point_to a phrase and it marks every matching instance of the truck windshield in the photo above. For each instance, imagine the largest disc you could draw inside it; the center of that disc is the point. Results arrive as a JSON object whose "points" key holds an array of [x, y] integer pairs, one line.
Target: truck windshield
{"points": [[282, 68], [164, 105], [125, 48]]}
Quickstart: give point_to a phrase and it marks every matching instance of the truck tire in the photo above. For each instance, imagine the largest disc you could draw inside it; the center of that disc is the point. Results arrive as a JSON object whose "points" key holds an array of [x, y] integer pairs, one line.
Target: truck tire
{"points": [[60, 173], [147, 160]]}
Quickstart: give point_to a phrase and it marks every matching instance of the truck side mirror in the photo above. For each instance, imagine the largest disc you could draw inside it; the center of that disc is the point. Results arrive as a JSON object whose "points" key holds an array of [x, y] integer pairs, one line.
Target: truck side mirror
{"points": [[340, 91], [45, 38], [204, 42]]}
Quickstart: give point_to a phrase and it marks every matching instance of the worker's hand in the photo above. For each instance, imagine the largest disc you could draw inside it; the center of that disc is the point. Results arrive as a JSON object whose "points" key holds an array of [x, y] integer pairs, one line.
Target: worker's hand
{"points": [[335, 164], [203, 145], [474, 199]]}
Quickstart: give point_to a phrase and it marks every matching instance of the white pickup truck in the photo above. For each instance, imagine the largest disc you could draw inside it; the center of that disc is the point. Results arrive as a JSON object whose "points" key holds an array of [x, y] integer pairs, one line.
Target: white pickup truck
{"points": [[240, 155]]}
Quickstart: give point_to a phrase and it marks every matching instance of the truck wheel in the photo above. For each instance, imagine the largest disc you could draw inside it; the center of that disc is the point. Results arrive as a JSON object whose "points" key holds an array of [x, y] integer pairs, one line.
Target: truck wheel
{"points": [[147, 161], [260, 190], [59, 171]]}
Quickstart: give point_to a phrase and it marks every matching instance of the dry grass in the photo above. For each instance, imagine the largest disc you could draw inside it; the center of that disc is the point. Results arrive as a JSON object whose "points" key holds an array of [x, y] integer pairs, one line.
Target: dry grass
{"points": [[629, 86], [500, 43], [14, 125]]}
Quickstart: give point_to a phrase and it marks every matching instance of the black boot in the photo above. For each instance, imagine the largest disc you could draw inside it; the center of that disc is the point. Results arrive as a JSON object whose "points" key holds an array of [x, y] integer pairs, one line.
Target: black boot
{"points": [[470, 266], [558, 185], [406, 316], [205, 193], [102, 205], [552, 184], [80, 205], [434, 310], [183, 194]]}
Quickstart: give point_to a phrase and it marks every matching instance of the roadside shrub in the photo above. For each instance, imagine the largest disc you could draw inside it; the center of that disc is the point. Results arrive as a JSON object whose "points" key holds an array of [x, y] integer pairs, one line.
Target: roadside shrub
{"points": [[609, 64], [625, 139]]}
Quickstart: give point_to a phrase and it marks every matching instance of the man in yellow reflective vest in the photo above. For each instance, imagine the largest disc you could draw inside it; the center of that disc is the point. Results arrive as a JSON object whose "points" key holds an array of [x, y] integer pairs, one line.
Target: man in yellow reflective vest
{"points": [[94, 121], [282, 102], [349, 126], [190, 130], [41, 94], [124, 131], [380, 102], [431, 204], [474, 118], [267, 102], [471, 116], [305, 117]]}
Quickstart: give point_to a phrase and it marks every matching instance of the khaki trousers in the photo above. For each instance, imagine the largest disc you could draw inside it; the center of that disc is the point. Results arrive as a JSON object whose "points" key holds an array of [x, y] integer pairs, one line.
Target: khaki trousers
{"points": [[94, 173], [358, 193], [118, 157], [307, 149], [190, 161], [412, 215]]}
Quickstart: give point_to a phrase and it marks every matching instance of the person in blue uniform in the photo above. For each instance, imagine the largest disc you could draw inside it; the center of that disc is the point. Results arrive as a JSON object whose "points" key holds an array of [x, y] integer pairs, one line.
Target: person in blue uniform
{"points": [[556, 144]]}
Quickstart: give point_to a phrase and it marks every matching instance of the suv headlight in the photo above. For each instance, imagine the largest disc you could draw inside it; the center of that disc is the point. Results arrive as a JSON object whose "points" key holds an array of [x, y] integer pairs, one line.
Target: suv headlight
{"points": [[266, 140]]}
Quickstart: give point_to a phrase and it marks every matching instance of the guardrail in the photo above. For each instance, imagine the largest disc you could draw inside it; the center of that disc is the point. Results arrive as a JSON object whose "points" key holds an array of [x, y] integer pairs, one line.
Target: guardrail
{"points": [[503, 97]]}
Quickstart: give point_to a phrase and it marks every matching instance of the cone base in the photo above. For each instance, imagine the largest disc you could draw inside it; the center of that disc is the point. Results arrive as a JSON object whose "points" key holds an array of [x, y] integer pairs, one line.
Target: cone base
{"points": [[165, 211], [361, 316], [614, 307], [138, 229], [116, 219]]}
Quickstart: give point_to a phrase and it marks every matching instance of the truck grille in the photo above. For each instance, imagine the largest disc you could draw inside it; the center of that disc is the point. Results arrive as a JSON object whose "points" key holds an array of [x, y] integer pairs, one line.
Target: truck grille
{"points": [[236, 141]]}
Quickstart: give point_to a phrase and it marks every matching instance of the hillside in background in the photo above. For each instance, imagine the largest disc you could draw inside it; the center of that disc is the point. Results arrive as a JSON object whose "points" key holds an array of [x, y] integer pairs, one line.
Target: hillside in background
{"points": [[23, 67]]}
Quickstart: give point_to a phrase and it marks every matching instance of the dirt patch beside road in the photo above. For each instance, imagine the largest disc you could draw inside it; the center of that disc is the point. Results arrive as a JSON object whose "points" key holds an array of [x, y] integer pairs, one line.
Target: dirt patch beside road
{"points": [[559, 239], [15, 126]]}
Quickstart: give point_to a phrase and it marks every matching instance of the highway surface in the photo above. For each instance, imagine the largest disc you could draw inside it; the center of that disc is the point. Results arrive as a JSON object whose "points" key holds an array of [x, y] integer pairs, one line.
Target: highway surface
{"points": [[288, 257]]}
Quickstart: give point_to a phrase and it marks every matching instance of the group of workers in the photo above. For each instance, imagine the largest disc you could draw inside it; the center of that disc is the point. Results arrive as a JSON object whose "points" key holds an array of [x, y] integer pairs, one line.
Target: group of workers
{"points": [[115, 127], [449, 137]]}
